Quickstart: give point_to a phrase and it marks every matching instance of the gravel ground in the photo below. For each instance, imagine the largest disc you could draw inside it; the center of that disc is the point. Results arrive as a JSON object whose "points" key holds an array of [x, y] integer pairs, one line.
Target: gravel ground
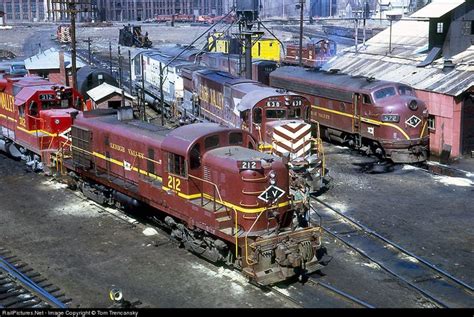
{"points": [[427, 214]]}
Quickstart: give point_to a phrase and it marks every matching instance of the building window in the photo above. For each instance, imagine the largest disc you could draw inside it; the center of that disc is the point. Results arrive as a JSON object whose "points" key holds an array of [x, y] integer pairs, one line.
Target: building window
{"points": [[467, 28], [431, 122], [439, 27]]}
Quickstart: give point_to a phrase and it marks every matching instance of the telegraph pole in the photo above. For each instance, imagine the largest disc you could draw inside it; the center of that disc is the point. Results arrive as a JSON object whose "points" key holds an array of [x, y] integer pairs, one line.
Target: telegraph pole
{"points": [[301, 4], [110, 56], [130, 72], [89, 41], [72, 8], [120, 67]]}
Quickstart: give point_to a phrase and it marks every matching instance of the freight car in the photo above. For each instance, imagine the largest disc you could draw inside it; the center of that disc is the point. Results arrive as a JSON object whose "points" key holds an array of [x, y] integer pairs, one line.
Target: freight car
{"points": [[221, 199], [146, 69], [315, 54], [34, 118], [276, 118], [380, 117]]}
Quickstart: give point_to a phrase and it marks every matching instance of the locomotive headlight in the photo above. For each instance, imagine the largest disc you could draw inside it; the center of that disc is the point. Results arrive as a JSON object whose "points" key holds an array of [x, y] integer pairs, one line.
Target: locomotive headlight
{"points": [[390, 118], [413, 105], [272, 176], [57, 121]]}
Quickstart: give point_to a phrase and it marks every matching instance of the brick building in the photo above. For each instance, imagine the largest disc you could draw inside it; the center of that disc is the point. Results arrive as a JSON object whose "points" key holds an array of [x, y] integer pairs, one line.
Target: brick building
{"points": [[135, 10]]}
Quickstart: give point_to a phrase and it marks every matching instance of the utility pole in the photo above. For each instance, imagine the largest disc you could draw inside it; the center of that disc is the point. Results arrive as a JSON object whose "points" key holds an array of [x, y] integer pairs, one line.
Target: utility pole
{"points": [[120, 67], [110, 56], [301, 4], [72, 8], [143, 88], [89, 41], [130, 72], [162, 95]]}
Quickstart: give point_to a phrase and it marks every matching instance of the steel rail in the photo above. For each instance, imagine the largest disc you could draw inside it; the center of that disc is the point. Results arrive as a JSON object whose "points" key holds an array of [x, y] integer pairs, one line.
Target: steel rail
{"points": [[372, 232], [341, 293], [28, 284], [411, 284]]}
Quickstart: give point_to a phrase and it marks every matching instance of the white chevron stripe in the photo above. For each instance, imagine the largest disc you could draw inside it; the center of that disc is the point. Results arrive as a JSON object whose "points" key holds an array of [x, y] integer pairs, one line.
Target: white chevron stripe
{"points": [[293, 135], [304, 152], [291, 143]]}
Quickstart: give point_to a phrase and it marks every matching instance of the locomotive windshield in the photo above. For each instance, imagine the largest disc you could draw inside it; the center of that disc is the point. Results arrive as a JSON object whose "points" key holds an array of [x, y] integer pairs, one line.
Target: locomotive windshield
{"points": [[385, 92], [406, 91], [55, 104], [295, 113], [276, 114]]}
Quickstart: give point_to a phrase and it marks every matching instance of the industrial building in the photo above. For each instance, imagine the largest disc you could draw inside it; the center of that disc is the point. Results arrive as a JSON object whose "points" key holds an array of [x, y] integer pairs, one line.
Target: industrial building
{"points": [[137, 10], [432, 52], [111, 10]]}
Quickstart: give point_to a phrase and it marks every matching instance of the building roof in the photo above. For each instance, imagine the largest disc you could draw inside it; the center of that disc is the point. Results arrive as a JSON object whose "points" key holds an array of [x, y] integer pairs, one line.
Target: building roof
{"points": [[409, 48], [102, 91], [49, 59], [437, 9]]}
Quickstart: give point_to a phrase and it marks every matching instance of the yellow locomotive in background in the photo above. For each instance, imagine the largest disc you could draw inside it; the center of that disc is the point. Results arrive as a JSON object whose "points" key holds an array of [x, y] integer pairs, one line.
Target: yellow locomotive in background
{"points": [[264, 48]]}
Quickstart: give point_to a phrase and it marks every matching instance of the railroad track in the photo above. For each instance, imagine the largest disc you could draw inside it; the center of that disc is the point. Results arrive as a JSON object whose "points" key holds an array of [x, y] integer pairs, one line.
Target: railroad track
{"points": [[437, 285], [309, 294], [22, 287]]}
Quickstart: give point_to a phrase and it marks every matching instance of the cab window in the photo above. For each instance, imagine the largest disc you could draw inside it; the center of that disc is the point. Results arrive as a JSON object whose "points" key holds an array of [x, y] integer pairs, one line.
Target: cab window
{"points": [[384, 93], [235, 138], [276, 114], [21, 111], [33, 109], [177, 165], [257, 115], [406, 91], [211, 142], [366, 99], [195, 157]]}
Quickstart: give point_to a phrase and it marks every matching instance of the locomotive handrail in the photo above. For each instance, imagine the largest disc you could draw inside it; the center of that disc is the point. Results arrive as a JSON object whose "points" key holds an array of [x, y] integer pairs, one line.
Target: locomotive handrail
{"points": [[246, 238], [236, 219], [211, 183]]}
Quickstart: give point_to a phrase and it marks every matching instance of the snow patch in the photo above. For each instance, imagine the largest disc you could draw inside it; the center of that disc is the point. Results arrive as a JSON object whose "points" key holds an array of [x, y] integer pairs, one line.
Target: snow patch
{"points": [[469, 174], [82, 209], [372, 265], [283, 291], [54, 184], [237, 279], [150, 232], [455, 181], [409, 168], [408, 258]]}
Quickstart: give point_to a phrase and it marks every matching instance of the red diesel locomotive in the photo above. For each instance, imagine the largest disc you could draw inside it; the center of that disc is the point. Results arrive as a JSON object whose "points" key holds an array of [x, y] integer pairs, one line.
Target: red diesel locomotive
{"points": [[380, 117], [34, 118], [221, 199], [276, 118]]}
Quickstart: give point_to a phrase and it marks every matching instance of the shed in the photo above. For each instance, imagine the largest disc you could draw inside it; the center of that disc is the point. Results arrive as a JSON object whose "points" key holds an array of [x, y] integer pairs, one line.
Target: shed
{"points": [[107, 96]]}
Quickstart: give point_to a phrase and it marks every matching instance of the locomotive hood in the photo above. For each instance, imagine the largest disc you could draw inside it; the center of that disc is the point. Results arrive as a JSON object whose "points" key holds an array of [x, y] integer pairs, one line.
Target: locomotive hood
{"points": [[290, 136]]}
